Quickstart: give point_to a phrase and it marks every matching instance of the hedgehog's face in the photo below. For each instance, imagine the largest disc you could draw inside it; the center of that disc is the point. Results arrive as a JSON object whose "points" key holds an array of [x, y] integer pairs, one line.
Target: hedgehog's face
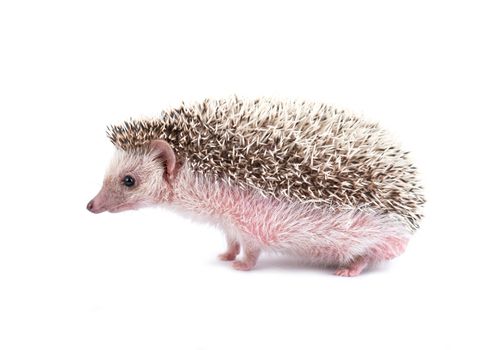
{"points": [[135, 179]]}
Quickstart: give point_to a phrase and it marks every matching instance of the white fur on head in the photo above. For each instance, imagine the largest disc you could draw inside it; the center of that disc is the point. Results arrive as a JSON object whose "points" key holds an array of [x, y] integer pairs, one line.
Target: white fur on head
{"points": [[149, 188]]}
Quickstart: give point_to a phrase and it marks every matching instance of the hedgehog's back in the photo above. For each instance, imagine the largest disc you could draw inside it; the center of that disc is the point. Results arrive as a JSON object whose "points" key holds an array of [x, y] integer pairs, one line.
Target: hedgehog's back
{"points": [[310, 152]]}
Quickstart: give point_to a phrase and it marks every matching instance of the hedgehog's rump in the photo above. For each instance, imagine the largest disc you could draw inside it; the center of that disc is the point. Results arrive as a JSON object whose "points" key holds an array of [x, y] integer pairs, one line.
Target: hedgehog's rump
{"points": [[309, 152]]}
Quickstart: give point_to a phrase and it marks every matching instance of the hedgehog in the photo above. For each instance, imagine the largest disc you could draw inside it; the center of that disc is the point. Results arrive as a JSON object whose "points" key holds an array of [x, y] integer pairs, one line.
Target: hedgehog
{"points": [[298, 178]]}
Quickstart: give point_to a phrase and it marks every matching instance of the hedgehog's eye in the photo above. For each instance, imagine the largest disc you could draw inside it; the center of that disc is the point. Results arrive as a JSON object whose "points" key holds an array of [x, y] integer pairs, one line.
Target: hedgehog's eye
{"points": [[128, 181]]}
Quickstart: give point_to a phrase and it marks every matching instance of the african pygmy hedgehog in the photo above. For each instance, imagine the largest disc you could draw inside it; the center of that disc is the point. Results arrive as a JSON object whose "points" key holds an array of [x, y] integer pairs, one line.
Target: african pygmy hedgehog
{"points": [[298, 178]]}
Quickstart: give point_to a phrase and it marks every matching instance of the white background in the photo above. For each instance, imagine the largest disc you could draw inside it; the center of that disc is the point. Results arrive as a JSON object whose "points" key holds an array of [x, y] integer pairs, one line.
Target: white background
{"points": [[150, 279]]}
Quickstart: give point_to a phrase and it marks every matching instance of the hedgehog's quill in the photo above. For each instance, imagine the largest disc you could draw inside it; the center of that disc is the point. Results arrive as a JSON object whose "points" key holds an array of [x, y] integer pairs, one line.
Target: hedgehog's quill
{"points": [[297, 178]]}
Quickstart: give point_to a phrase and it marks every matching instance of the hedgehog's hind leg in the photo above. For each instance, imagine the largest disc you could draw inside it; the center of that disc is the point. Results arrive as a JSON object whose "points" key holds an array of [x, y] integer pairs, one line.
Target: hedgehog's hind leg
{"points": [[354, 268]]}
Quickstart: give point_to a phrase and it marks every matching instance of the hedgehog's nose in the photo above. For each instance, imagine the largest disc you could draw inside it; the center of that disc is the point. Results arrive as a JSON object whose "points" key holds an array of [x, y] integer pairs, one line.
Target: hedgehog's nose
{"points": [[90, 206]]}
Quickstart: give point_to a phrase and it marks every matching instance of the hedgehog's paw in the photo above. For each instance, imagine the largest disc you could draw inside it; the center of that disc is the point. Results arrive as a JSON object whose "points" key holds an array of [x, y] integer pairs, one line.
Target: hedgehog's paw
{"points": [[354, 269], [249, 260], [231, 253], [243, 265]]}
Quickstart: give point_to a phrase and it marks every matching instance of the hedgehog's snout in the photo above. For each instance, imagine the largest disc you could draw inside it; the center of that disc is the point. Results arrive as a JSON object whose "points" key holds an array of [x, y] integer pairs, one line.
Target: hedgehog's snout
{"points": [[96, 205]]}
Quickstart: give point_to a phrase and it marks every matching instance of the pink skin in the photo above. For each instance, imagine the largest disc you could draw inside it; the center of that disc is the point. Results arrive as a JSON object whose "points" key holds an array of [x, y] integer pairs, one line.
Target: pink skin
{"points": [[350, 239]]}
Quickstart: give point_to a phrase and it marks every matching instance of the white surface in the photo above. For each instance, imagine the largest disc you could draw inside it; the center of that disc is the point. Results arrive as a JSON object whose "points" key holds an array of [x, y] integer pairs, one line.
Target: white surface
{"points": [[150, 279]]}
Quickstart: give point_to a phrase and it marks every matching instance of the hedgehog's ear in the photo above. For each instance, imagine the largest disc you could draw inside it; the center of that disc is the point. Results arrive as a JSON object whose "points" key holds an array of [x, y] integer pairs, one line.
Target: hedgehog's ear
{"points": [[163, 151]]}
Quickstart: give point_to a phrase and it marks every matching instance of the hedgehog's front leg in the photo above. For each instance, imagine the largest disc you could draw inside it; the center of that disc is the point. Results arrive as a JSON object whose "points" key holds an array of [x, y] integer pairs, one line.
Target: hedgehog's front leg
{"points": [[249, 259], [232, 251]]}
